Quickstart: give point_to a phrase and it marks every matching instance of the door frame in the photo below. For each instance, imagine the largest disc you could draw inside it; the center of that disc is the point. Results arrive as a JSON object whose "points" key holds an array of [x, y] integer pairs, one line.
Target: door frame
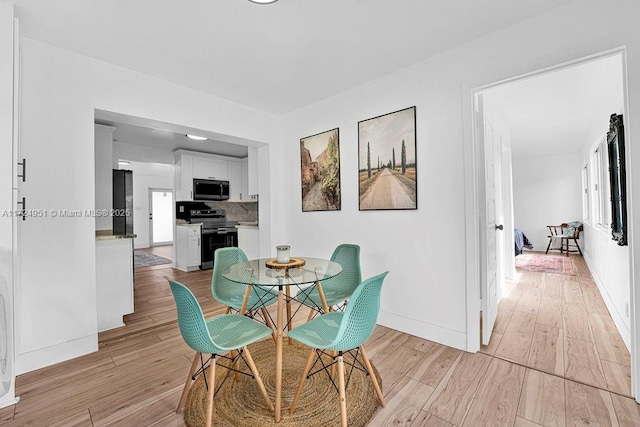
{"points": [[474, 200], [166, 190]]}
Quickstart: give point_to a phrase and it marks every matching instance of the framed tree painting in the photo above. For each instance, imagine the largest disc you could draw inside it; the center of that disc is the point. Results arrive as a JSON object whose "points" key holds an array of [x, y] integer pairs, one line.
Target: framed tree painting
{"points": [[387, 161], [320, 171]]}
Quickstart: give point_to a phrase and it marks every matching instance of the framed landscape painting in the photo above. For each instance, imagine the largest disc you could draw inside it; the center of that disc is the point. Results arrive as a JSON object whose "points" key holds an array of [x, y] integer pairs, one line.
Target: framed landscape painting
{"points": [[387, 161], [320, 171]]}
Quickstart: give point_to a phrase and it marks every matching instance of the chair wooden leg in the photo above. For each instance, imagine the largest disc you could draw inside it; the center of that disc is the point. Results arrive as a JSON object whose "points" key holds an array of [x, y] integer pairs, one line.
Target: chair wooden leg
{"points": [[311, 313], [372, 375], [578, 246], [235, 365], [211, 391], [343, 395], [228, 310], [549, 245], [307, 368], [256, 375], [267, 321], [332, 371], [187, 385]]}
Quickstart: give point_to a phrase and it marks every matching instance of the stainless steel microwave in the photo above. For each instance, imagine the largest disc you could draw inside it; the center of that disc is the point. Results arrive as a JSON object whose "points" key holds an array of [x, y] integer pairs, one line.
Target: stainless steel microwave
{"points": [[210, 189]]}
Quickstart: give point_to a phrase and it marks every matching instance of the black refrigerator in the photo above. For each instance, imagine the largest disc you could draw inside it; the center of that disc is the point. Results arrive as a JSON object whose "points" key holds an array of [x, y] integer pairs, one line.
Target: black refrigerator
{"points": [[122, 202]]}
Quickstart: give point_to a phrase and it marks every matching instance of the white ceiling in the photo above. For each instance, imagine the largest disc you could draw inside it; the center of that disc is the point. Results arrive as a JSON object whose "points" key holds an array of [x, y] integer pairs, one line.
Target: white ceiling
{"points": [[276, 58], [553, 113]]}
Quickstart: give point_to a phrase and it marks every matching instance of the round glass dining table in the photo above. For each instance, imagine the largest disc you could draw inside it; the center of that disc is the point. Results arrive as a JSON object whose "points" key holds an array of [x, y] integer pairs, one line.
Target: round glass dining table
{"points": [[274, 277]]}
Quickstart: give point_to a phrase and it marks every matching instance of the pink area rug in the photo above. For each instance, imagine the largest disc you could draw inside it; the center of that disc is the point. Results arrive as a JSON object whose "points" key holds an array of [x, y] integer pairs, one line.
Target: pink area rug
{"points": [[545, 264]]}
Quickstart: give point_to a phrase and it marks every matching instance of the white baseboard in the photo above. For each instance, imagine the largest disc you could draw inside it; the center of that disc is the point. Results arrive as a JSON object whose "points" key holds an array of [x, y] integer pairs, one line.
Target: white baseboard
{"points": [[8, 400], [625, 333], [428, 331], [27, 362]]}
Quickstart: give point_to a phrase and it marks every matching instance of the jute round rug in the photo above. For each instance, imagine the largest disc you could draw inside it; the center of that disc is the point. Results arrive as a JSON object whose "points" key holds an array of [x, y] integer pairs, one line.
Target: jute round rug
{"points": [[239, 403]]}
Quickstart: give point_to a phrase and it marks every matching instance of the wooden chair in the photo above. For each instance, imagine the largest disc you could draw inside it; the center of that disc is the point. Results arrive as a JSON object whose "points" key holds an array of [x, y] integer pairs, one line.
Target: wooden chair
{"points": [[567, 234], [342, 332], [216, 336]]}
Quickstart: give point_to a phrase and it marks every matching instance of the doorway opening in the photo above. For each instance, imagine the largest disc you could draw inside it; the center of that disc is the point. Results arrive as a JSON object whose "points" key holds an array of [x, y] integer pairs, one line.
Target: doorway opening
{"points": [[160, 217], [539, 144]]}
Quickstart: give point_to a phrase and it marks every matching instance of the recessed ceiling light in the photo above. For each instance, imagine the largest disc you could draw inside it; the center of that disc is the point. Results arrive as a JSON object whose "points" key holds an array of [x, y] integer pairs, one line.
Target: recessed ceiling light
{"points": [[196, 137], [263, 1]]}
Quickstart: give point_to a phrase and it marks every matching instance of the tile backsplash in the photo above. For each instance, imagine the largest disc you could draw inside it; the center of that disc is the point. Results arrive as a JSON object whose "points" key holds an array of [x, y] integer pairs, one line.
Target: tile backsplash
{"points": [[237, 211]]}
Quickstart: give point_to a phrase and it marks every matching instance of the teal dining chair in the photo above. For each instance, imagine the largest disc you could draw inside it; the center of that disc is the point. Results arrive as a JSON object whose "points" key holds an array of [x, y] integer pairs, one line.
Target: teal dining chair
{"points": [[342, 332], [215, 336], [338, 289], [231, 293]]}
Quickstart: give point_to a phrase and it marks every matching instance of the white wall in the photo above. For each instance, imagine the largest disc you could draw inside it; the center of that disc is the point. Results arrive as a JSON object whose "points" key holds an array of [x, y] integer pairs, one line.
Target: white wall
{"points": [[141, 153], [546, 191], [145, 177], [609, 263], [425, 292], [104, 174], [61, 90]]}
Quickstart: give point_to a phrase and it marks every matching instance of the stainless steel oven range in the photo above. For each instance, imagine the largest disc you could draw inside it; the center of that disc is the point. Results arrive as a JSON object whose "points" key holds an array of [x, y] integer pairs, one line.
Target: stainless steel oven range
{"points": [[216, 233]]}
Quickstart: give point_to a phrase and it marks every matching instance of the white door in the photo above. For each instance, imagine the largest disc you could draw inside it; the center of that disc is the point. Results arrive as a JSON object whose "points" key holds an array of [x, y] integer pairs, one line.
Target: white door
{"points": [[489, 220], [160, 217]]}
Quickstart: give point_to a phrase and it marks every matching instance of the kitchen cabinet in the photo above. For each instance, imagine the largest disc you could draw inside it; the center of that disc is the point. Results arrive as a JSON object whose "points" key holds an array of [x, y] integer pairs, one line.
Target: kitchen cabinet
{"points": [[114, 280], [190, 164], [245, 178], [188, 247], [253, 183], [210, 168], [8, 195], [249, 240], [235, 180], [183, 177]]}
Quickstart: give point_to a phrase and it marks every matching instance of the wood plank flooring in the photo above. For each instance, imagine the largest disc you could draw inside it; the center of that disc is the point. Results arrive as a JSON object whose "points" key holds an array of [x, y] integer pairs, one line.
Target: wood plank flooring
{"points": [[136, 377], [559, 324]]}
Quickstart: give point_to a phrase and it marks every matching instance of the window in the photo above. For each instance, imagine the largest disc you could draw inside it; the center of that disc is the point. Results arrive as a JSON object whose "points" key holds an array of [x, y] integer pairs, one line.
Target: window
{"points": [[601, 190], [586, 208]]}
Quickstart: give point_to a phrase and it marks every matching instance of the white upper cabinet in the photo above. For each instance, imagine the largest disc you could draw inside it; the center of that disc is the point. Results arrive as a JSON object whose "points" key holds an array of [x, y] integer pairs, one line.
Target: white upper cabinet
{"points": [[245, 178], [253, 171], [183, 176], [191, 164], [235, 180], [210, 168]]}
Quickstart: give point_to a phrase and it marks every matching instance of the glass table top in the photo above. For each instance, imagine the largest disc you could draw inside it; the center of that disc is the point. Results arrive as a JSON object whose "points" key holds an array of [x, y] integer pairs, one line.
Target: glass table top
{"points": [[256, 272]]}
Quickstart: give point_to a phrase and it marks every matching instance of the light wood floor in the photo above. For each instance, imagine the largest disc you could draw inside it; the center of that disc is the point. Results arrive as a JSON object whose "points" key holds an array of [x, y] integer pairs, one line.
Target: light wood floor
{"points": [[136, 377], [559, 324]]}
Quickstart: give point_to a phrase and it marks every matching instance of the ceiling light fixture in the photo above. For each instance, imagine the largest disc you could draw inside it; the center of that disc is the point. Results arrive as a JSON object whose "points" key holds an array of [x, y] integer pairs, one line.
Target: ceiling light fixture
{"points": [[263, 1], [197, 138]]}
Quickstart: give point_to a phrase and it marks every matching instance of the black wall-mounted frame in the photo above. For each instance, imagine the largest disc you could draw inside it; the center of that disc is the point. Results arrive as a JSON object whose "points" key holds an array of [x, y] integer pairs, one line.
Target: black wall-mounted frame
{"points": [[617, 177]]}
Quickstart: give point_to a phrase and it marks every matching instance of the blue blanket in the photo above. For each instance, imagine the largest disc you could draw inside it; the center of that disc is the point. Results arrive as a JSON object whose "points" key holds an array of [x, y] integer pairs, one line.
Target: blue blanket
{"points": [[521, 241]]}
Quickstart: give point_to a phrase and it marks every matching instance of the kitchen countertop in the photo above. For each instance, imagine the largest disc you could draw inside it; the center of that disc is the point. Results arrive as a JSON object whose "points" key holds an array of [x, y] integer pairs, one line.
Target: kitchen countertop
{"points": [[108, 235], [241, 224]]}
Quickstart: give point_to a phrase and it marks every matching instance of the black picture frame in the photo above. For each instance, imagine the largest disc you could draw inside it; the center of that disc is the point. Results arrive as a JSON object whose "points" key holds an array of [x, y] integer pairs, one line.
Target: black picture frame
{"points": [[320, 171], [617, 177], [387, 156]]}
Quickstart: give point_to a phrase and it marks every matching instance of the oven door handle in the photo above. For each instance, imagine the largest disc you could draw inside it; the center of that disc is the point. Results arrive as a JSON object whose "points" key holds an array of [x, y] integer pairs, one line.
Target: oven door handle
{"points": [[222, 231]]}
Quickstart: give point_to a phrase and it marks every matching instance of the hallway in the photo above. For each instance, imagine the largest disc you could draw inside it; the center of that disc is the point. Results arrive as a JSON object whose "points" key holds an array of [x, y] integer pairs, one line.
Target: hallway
{"points": [[559, 324]]}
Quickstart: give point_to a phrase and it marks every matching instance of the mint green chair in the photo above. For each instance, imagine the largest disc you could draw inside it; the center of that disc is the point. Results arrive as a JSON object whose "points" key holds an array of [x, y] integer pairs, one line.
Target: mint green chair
{"points": [[343, 331], [215, 336], [231, 293], [338, 289]]}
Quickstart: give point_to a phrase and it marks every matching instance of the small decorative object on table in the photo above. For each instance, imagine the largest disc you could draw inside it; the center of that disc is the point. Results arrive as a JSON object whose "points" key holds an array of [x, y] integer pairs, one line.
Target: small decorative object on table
{"points": [[283, 253], [293, 263]]}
